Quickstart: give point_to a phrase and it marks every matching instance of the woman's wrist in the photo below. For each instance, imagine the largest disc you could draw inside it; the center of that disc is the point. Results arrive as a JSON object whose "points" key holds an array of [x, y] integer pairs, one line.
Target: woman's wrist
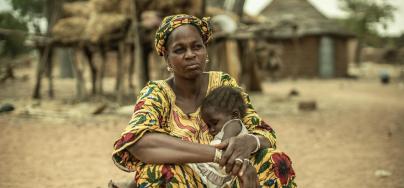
{"points": [[257, 143], [251, 142]]}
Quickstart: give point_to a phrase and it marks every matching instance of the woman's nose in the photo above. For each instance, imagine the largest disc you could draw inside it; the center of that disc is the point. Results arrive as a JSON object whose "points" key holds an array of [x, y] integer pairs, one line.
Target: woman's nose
{"points": [[189, 53]]}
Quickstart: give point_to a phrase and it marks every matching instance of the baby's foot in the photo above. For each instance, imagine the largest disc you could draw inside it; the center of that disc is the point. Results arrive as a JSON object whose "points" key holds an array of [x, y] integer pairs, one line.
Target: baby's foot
{"points": [[128, 184]]}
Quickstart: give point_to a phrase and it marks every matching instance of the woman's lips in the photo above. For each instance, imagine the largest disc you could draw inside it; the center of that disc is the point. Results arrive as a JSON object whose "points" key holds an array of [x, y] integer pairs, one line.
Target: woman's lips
{"points": [[192, 67]]}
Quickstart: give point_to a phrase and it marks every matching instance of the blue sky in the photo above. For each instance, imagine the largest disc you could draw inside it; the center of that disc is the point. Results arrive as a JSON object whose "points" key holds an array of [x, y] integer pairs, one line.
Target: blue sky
{"points": [[328, 7]]}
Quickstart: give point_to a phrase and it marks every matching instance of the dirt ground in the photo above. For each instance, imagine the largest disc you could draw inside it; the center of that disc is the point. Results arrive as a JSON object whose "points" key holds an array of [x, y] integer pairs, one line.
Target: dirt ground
{"points": [[354, 139]]}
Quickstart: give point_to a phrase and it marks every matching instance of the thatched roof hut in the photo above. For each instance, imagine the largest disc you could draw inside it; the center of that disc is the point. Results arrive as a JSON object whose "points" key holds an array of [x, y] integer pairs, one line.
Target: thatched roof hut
{"points": [[102, 26], [312, 44], [111, 6], [308, 19], [169, 7], [68, 31], [77, 9], [92, 21]]}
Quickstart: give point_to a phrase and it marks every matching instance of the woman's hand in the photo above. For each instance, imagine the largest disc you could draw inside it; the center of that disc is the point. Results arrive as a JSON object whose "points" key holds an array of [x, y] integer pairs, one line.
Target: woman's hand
{"points": [[240, 148], [248, 176]]}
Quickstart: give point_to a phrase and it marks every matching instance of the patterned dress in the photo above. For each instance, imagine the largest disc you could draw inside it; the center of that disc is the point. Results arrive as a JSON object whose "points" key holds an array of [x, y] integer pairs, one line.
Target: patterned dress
{"points": [[155, 111]]}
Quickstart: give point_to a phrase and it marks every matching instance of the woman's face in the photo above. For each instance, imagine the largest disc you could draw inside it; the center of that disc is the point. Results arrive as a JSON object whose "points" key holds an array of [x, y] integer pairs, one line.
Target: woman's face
{"points": [[186, 52]]}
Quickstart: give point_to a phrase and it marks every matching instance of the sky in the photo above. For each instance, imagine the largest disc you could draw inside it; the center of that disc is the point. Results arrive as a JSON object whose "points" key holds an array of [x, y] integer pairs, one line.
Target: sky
{"points": [[331, 9], [327, 7]]}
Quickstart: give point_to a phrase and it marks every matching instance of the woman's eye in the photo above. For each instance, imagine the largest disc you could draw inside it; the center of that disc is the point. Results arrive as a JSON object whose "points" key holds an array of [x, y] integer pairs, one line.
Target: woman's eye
{"points": [[198, 47], [179, 50]]}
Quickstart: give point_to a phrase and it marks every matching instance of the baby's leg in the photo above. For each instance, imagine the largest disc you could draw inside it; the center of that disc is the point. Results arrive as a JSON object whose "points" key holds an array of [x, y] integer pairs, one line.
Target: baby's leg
{"points": [[128, 184]]}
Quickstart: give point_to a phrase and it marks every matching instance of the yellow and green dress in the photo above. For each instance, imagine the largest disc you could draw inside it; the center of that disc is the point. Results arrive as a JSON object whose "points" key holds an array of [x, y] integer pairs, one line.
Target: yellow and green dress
{"points": [[155, 111]]}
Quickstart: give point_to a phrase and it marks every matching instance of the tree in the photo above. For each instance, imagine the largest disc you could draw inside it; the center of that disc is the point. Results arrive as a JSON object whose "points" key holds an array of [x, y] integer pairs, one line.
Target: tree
{"points": [[31, 11], [35, 10], [11, 42], [363, 18]]}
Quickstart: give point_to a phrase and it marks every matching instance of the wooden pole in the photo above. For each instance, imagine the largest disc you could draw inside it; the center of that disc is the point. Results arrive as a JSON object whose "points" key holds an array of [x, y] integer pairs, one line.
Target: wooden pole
{"points": [[43, 51], [119, 79], [103, 53], [49, 69], [93, 69], [130, 50], [78, 70], [139, 74]]}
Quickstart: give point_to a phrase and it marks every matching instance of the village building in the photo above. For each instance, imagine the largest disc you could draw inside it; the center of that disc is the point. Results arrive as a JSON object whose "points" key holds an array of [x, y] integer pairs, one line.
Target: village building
{"points": [[307, 42]]}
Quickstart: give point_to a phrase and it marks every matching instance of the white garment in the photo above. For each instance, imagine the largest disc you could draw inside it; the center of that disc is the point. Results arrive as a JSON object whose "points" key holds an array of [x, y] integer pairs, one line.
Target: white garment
{"points": [[212, 175]]}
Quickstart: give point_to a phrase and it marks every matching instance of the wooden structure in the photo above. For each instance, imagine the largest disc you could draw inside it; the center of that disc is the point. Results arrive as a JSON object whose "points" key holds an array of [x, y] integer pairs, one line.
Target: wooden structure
{"points": [[88, 27], [97, 26], [314, 47]]}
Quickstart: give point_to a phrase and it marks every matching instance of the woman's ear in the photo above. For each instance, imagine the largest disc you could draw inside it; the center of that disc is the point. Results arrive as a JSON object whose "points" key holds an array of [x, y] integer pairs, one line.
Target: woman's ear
{"points": [[166, 57]]}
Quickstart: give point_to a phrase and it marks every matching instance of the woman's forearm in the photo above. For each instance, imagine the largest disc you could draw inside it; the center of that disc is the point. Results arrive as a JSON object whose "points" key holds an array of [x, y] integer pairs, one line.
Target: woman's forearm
{"points": [[264, 143], [159, 148]]}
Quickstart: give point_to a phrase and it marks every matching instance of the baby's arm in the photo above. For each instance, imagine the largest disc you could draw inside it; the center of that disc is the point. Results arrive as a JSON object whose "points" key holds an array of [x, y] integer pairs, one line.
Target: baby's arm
{"points": [[231, 130]]}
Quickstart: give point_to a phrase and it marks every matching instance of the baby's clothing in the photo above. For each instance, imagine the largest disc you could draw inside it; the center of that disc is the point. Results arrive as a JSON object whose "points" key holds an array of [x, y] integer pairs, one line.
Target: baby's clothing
{"points": [[212, 174]]}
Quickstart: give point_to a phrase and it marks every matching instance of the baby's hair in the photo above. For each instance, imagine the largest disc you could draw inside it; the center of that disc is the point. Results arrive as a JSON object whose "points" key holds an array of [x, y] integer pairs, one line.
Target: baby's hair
{"points": [[226, 99]]}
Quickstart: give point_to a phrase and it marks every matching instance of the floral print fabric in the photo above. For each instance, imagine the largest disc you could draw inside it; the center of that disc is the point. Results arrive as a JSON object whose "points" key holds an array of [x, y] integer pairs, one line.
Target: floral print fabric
{"points": [[155, 111]]}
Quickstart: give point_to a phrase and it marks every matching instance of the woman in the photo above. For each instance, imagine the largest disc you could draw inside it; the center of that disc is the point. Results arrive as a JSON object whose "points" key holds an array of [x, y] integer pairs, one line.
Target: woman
{"points": [[166, 131]]}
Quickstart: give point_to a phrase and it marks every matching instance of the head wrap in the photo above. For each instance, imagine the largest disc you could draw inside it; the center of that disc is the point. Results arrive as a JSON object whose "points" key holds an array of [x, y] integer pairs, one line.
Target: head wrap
{"points": [[170, 23]]}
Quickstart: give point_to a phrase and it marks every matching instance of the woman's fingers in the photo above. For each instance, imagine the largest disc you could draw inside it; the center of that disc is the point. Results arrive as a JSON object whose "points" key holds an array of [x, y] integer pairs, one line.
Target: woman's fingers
{"points": [[243, 168], [249, 176], [238, 163], [230, 164], [227, 153], [222, 145]]}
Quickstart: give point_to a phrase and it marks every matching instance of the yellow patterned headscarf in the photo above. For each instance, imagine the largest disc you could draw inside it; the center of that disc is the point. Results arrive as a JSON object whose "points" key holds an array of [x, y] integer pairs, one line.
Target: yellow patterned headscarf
{"points": [[169, 23]]}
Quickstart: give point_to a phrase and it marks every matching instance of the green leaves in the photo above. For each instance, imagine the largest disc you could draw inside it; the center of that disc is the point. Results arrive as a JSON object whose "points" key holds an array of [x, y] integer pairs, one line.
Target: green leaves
{"points": [[12, 43], [255, 120], [151, 176], [31, 8], [264, 167], [259, 156], [365, 15]]}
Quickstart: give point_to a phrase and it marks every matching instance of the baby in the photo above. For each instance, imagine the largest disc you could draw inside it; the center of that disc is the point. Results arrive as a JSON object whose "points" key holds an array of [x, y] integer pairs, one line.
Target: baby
{"points": [[221, 110]]}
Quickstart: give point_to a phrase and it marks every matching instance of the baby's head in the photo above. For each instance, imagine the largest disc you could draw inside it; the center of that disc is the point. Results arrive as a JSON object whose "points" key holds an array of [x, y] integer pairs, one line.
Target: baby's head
{"points": [[222, 104]]}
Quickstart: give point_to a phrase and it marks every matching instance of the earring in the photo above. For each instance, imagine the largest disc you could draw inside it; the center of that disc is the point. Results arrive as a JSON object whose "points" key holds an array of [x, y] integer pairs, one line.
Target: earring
{"points": [[207, 61], [169, 69]]}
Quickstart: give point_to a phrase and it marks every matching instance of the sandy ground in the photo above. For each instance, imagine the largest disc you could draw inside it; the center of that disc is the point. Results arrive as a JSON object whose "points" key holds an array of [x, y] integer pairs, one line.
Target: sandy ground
{"points": [[357, 130]]}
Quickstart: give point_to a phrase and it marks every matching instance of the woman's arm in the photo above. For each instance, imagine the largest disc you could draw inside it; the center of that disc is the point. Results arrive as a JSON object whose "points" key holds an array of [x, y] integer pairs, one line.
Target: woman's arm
{"points": [[234, 128], [160, 148]]}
